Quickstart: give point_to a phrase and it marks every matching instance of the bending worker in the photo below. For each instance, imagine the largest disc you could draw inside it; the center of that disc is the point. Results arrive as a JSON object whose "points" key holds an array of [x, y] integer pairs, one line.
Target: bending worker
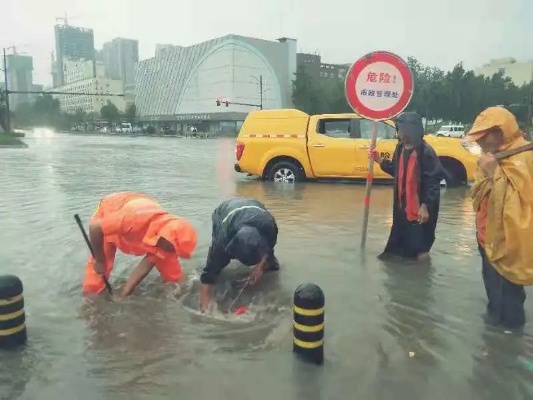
{"points": [[243, 229], [136, 224]]}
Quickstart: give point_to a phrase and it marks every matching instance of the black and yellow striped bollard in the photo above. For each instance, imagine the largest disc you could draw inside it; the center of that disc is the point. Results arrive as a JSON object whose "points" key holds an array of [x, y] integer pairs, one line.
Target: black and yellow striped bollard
{"points": [[308, 324], [12, 316]]}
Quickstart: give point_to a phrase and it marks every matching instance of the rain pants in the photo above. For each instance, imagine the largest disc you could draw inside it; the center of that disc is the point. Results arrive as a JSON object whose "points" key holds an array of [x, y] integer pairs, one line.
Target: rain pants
{"points": [[243, 229], [504, 219], [417, 174], [133, 223]]}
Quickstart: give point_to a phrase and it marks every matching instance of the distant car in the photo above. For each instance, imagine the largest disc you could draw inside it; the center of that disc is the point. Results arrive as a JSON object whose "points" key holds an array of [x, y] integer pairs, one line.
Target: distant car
{"points": [[455, 131], [126, 127]]}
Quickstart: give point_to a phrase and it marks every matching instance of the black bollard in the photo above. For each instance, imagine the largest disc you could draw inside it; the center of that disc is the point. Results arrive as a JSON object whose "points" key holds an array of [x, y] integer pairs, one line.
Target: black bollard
{"points": [[308, 325], [12, 316]]}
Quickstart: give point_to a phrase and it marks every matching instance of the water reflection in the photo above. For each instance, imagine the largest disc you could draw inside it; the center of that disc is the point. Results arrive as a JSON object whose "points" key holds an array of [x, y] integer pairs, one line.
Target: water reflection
{"points": [[411, 322], [503, 366], [154, 346]]}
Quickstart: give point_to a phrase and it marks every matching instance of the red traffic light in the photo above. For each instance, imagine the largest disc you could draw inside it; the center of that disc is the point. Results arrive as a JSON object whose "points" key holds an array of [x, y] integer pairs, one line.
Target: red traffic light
{"points": [[218, 102], [227, 103]]}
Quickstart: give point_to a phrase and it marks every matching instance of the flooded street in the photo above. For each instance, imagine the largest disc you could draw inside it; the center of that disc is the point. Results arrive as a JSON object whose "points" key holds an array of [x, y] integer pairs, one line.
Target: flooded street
{"points": [[154, 346]]}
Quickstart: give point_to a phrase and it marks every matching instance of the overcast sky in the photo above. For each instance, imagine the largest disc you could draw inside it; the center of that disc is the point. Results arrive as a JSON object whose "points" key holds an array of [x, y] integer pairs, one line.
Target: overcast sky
{"points": [[437, 32]]}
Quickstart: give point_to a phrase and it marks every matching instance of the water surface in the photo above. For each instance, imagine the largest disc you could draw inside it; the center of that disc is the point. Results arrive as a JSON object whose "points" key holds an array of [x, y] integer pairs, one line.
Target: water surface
{"points": [[392, 331]]}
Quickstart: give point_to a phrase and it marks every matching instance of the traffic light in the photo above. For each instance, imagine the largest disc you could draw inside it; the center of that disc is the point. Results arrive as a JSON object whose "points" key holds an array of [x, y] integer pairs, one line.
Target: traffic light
{"points": [[218, 102], [227, 103]]}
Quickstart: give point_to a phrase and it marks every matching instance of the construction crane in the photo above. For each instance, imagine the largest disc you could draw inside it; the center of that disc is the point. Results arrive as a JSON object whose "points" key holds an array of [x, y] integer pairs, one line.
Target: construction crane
{"points": [[64, 19]]}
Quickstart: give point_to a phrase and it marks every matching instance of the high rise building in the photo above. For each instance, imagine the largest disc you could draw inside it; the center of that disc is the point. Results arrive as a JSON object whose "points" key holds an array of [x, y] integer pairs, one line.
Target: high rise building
{"points": [[19, 78], [120, 57], [72, 43]]}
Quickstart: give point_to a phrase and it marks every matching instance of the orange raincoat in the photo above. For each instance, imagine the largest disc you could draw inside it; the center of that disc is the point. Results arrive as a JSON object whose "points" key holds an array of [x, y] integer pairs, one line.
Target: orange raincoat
{"points": [[504, 203], [133, 223]]}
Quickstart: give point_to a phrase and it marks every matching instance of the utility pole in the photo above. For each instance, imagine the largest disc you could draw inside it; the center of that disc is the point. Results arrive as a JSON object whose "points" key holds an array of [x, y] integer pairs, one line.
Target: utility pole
{"points": [[261, 91], [8, 117]]}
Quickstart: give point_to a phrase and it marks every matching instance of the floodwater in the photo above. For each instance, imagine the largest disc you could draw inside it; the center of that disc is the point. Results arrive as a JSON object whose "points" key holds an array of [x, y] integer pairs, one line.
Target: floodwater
{"points": [[392, 331]]}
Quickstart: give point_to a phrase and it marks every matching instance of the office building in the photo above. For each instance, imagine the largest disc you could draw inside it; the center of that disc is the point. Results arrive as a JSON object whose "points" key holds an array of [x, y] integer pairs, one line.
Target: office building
{"points": [[86, 78], [520, 72], [321, 71], [19, 78], [179, 86], [72, 43], [120, 58], [89, 103]]}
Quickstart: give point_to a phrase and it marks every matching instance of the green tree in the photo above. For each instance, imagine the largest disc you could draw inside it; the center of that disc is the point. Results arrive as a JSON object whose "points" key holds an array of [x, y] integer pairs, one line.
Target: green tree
{"points": [[3, 110], [110, 112], [306, 93], [79, 117], [47, 111], [131, 113]]}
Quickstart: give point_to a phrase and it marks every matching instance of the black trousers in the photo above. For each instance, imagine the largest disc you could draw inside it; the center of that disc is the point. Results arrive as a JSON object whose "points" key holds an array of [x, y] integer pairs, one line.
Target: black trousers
{"points": [[506, 299]]}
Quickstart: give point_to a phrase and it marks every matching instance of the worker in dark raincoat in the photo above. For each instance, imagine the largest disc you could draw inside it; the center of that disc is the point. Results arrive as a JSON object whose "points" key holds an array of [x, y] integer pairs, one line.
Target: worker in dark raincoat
{"points": [[243, 229], [417, 173]]}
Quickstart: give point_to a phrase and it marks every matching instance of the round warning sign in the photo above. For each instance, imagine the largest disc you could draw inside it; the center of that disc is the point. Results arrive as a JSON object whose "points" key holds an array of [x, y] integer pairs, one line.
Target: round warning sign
{"points": [[379, 86]]}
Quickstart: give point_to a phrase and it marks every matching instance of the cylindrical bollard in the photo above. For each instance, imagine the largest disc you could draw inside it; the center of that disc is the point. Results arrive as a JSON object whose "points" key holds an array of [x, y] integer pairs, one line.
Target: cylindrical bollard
{"points": [[308, 324], [12, 316]]}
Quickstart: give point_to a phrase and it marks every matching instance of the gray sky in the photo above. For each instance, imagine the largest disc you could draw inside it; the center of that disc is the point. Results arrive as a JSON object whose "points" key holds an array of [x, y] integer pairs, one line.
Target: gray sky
{"points": [[437, 32]]}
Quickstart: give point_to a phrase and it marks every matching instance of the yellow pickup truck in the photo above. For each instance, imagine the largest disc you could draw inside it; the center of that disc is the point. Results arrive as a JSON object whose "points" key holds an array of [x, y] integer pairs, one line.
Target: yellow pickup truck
{"points": [[289, 145]]}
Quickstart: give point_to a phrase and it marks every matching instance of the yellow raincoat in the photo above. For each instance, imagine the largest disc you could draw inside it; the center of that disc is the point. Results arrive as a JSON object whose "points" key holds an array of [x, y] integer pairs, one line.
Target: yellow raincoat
{"points": [[509, 229]]}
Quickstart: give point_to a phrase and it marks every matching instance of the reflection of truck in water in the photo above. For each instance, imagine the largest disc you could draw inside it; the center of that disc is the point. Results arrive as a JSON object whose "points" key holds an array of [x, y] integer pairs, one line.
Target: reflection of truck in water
{"points": [[290, 146]]}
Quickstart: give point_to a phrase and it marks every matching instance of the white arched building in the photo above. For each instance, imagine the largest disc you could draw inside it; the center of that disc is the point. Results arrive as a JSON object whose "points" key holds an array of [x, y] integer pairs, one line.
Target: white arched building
{"points": [[178, 87]]}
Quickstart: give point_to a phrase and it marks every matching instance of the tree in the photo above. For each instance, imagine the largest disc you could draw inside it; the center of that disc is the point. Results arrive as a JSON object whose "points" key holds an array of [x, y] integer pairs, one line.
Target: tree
{"points": [[131, 113], [457, 95], [79, 117], [47, 111], [3, 109], [110, 112]]}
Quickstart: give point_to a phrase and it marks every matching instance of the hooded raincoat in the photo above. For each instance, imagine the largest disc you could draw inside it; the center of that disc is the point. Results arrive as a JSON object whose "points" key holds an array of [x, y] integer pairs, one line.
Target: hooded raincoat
{"points": [[133, 223], [243, 229], [504, 203], [422, 174]]}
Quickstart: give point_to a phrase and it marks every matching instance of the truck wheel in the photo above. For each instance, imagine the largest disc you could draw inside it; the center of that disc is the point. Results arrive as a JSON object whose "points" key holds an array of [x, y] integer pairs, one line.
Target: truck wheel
{"points": [[286, 172]]}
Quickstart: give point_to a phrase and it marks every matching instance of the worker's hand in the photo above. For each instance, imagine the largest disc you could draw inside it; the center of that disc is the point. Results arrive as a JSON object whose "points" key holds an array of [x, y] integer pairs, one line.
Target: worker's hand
{"points": [[99, 267], [257, 272], [205, 297], [374, 153], [487, 162], [423, 214]]}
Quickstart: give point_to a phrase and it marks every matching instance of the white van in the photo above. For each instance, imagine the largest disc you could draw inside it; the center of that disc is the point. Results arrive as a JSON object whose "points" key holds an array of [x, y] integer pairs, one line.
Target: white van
{"points": [[125, 127], [455, 131]]}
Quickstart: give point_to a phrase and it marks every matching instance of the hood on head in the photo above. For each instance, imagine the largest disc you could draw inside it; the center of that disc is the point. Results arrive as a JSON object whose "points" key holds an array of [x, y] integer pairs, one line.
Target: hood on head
{"points": [[410, 123], [248, 246], [495, 117], [182, 235]]}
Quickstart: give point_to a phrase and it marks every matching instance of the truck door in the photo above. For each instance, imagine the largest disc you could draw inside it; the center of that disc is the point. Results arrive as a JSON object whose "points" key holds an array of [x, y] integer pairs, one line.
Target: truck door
{"points": [[386, 143], [331, 147]]}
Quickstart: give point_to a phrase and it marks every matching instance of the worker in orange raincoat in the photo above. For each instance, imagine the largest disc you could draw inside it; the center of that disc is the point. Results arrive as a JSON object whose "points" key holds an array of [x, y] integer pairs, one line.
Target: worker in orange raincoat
{"points": [[136, 224], [503, 201]]}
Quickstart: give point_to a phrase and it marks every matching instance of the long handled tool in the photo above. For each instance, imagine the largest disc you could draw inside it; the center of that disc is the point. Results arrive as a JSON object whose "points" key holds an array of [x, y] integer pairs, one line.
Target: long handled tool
{"points": [[508, 153], [87, 241]]}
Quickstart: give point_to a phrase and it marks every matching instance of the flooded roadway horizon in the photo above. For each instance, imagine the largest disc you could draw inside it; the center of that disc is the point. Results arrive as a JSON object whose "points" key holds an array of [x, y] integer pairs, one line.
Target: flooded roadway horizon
{"points": [[393, 331]]}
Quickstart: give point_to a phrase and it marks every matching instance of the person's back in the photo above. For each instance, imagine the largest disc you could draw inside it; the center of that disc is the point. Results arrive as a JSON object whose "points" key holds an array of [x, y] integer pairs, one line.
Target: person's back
{"points": [[243, 229], [137, 225]]}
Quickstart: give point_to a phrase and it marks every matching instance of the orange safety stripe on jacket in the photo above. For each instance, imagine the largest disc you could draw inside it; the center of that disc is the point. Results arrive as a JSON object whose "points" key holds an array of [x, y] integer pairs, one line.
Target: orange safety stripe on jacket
{"points": [[133, 223], [412, 202]]}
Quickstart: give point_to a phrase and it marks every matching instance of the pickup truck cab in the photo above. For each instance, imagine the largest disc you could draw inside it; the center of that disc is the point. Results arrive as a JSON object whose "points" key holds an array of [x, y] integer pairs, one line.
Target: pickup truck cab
{"points": [[289, 145]]}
